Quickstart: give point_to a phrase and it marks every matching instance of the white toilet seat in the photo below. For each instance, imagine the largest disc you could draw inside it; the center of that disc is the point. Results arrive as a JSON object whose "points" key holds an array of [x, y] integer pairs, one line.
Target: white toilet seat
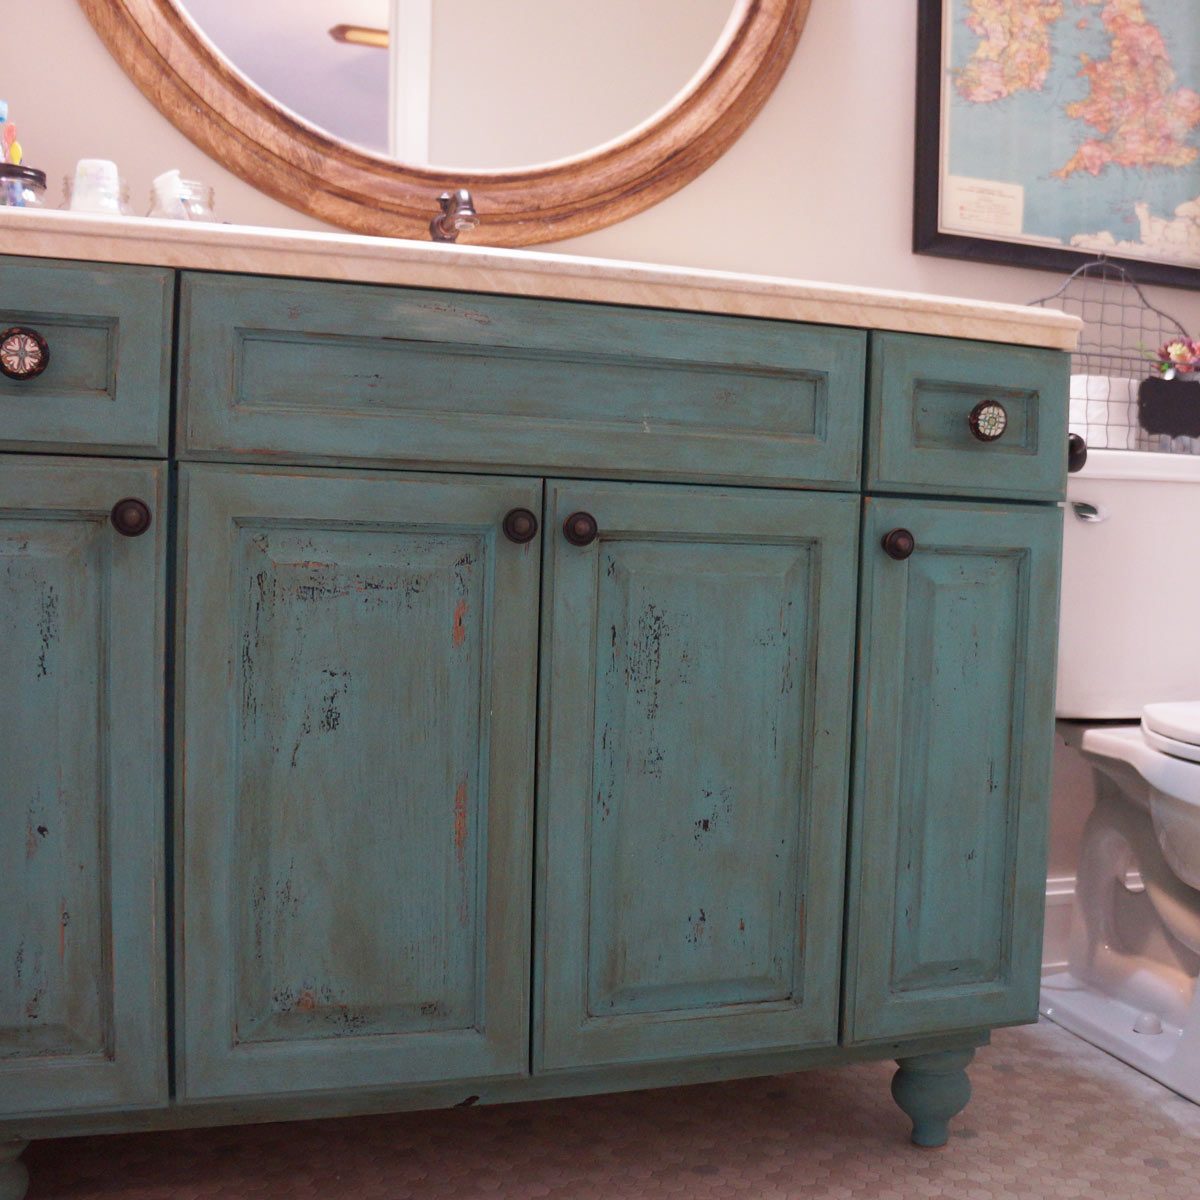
{"points": [[1171, 746], [1173, 728], [1178, 721]]}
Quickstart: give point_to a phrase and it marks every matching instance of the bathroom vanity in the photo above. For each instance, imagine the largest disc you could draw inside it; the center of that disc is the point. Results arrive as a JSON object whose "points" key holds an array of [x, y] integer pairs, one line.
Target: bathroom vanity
{"points": [[437, 675]]}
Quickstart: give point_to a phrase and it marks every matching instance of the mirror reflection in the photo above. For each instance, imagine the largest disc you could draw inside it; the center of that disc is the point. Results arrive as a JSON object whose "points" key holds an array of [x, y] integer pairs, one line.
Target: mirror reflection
{"points": [[468, 84]]}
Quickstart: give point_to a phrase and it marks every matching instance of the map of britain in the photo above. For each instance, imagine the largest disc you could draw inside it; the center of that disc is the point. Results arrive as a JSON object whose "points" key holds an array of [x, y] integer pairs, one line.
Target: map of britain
{"points": [[1074, 123]]}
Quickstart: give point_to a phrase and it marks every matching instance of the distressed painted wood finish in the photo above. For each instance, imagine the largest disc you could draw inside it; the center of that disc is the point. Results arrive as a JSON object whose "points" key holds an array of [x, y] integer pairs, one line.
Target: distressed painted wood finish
{"points": [[696, 664], [923, 390], [323, 372], [952, 767], [82, 958], [109, 333], [359, 665]]}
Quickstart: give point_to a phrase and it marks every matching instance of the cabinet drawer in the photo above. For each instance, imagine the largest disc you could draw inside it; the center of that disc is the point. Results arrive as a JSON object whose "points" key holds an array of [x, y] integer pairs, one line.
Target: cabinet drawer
{"points": [[108, 333], [923, 391], [327, 372]]}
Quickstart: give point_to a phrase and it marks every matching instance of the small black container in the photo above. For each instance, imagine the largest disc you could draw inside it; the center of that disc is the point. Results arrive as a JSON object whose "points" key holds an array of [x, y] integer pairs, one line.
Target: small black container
{"points": [[1170, 406]]}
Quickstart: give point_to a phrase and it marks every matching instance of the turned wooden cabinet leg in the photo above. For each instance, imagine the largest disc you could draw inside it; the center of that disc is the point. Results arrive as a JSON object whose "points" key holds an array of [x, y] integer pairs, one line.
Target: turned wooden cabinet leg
{"points": [[14, 1176], [932, 1088]]}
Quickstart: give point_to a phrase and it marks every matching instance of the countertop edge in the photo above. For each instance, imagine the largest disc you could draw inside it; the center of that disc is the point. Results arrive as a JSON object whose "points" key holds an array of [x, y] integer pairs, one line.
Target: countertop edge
{"points": [[530, 273]]}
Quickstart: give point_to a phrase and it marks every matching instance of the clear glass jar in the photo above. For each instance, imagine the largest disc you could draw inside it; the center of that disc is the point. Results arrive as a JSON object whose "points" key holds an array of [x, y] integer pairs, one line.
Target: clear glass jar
{"points": [[69, 190], [189, 201], [22, 187]]}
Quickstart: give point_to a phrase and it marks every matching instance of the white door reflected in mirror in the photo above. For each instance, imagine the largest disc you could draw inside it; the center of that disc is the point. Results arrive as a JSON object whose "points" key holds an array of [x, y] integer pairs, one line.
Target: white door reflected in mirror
{"points": [[469, 84]]}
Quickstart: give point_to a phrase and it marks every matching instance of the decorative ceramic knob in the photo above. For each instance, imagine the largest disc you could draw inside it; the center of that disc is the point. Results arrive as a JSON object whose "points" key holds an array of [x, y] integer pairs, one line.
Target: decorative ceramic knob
{"points": [[131, 517], [988, 420], [520, 525], [580, 529], [24, 353], [898, 544]]}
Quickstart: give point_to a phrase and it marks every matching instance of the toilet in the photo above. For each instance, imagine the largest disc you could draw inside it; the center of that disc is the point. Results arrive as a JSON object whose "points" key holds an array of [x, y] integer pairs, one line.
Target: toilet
{"points": [[1128, 703]]}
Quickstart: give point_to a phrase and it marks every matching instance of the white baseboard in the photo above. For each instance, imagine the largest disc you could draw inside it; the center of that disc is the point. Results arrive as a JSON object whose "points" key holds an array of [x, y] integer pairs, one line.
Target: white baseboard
{"points": [[1060, 899]]}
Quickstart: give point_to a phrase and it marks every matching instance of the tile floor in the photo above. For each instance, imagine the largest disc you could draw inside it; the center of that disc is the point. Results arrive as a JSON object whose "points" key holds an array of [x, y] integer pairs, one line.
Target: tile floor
{"points": [[1051, 1118]]}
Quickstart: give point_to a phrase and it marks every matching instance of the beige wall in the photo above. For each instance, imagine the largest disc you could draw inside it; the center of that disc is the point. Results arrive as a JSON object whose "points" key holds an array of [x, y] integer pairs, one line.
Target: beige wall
{"points": [[819, 187]]}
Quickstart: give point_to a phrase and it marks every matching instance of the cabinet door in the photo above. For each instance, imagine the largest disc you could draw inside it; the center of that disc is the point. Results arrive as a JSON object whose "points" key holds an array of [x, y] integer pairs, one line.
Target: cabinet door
{"points": [[952, 767], [82, 614], [357, 779], [697, 661]]}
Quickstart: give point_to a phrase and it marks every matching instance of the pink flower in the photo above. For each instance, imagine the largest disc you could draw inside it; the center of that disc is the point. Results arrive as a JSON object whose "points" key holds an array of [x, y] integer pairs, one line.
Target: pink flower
{"points": [[1181, 355]]}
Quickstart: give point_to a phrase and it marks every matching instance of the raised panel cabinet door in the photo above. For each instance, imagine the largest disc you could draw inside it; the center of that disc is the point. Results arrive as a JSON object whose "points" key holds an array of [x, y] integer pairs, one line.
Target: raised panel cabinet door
{"points": [[82, 790], [697, 660], [356, 785], [952, 767]]}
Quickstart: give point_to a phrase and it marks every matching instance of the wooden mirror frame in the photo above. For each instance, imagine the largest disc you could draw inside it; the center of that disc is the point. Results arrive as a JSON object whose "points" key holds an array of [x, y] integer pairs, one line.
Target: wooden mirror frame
{"points": [[227, 116]]}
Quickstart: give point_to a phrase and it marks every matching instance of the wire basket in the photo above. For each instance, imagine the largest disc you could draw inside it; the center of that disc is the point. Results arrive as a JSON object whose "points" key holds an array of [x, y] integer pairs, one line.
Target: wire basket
{"points": [[1121, 334]]}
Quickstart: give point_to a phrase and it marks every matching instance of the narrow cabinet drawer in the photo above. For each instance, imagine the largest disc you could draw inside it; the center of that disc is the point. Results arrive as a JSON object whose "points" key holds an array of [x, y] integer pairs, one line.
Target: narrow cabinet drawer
{"points": [[328, 372], [86, 360], [967, 418]]}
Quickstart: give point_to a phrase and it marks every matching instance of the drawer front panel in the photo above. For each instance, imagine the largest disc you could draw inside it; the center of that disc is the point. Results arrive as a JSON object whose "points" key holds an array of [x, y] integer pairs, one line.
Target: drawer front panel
{"points": [[357, 779], [108, 331], [331, 372], [952, 767], [82, 615], [923, 391], [697, 661]]}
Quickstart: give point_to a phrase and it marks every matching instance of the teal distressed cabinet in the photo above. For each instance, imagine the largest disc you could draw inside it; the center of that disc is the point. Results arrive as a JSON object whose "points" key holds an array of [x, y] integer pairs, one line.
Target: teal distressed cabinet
{"points": [[947, 878], [697, 659], [482, 698], [356, 792]]}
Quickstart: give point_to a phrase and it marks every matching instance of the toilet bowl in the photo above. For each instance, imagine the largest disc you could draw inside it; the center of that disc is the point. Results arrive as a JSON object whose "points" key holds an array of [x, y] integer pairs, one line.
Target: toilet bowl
{"points": [[1129, 705]]}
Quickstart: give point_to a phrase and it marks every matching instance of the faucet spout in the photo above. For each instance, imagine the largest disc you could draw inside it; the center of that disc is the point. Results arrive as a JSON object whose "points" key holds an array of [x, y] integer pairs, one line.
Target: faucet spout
{"points": [[458, 215]]}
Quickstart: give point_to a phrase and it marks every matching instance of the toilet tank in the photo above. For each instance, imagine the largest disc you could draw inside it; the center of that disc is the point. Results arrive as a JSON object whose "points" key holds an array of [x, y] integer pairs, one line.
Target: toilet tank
{"points": [[1130, 617]]}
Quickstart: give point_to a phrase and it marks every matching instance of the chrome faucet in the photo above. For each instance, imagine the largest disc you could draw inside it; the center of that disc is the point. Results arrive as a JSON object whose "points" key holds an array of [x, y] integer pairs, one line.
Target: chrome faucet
{"points": [[457, 216]]}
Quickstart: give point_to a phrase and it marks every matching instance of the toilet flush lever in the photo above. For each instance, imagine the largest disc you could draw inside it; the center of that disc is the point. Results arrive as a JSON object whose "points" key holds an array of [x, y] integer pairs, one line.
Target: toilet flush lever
{"points": [[1088, 512]]}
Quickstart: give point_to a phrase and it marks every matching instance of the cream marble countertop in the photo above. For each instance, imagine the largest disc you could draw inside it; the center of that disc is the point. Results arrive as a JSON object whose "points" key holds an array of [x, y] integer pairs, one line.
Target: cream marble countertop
{"points": [[352, 258]]}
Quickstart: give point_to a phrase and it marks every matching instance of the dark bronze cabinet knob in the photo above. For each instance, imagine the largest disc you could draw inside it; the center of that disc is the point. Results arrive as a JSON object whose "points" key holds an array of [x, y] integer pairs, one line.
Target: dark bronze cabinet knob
{"points": [[520, 525], [24, 353], [580, 529], [898, 544], [1076, 452], [131, 517], [988, 420]]}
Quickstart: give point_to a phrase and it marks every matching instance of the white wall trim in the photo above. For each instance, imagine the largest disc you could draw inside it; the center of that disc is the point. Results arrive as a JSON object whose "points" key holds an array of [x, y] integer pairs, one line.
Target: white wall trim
{"points": [[1060, 901], [410, 76]]}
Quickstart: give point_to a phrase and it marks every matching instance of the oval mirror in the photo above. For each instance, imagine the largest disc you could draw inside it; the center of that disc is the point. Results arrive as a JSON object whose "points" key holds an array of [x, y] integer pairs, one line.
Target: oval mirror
{"points": [[561, 116]]}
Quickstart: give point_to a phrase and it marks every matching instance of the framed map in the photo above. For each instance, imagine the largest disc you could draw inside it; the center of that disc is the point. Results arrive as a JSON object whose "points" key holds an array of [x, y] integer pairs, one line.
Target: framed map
{"points": [[1050, 132]]}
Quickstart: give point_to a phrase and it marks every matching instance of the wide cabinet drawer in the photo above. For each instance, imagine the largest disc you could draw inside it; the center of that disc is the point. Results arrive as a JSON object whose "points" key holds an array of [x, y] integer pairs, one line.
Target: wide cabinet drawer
{"points": [[952, 766], [322, 373], [85, 357], [356, 776], [82, 618], [697, 657], [954, 417]]}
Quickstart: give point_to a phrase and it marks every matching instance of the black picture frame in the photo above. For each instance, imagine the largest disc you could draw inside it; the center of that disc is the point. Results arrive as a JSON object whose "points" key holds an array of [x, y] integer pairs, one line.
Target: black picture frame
{"points": [[928, 237]]}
